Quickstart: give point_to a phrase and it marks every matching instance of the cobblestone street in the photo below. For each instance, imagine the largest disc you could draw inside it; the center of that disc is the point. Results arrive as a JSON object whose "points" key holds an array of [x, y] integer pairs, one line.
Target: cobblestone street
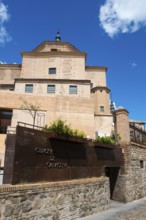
{"points": [[131, 211], [135, 213]]}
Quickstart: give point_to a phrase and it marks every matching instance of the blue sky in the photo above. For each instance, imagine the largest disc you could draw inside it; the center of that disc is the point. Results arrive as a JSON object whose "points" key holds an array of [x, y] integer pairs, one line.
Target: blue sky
{"points": [[112, 32]]}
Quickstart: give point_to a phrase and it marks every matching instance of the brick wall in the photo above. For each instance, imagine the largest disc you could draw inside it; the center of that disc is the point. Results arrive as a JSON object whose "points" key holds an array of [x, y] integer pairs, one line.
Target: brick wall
{"points": [[131, 182], [122, 125]]}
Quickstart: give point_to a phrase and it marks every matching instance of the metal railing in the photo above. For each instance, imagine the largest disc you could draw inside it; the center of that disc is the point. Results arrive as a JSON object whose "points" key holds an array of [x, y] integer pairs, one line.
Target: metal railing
{"points": [[11, 130], [137, 134], [22, 124]]}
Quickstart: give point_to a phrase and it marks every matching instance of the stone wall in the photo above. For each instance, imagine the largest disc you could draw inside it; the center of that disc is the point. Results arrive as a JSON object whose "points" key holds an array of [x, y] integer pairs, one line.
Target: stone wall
{"points": [[54, 201], [61, 87], [131, 185], [136, 182], [8, 73], [68, 66], [97, 75], [78, 112], [103, 125]]}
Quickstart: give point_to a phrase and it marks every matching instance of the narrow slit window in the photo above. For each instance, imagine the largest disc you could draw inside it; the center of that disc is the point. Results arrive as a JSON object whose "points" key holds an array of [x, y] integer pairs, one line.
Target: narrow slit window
{"points": [[141, 164], [101, 108]]}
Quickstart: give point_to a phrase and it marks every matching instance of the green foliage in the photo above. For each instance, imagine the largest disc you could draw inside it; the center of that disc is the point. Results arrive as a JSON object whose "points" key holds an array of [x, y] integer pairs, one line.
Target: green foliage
{"points": [[109, 139], [61, 127], [118, 137], [105, 139]]}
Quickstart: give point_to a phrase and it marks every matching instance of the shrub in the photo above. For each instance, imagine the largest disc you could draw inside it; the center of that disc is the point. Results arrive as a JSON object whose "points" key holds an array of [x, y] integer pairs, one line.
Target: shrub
{"points": [[61, 127], [109, 139], [105, 139]]}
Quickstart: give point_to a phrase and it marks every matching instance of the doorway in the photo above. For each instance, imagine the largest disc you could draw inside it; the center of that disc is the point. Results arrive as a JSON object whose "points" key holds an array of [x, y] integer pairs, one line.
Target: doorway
{"points": [[112, 173], [5, 120]]}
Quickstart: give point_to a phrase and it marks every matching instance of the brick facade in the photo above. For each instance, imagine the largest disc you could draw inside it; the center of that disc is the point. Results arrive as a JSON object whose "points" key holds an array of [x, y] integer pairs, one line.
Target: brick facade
{"points": [[131, 182]]}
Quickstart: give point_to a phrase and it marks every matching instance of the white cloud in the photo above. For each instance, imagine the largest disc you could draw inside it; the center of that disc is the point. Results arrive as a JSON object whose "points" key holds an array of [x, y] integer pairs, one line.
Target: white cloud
{"points": [[114, 105], [133, 64], [4, 16], [122, 16], [1, 62]]}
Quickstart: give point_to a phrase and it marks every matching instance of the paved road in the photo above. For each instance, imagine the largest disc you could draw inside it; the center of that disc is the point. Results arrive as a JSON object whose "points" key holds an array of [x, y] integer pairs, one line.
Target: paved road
{"points": [[131, 211]]}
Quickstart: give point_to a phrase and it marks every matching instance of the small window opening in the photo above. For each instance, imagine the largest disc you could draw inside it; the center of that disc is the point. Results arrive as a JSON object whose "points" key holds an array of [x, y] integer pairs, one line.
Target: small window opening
{"points": [[29, 88], [53, 49], [101, 108], [51, 89], [52, 70], [91, 85], [72, 89], [141, 164]]}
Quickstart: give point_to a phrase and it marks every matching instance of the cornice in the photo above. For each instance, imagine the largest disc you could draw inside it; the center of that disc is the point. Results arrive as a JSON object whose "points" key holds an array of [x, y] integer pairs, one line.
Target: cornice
{"points": [[53, 54], [100, 88], [102, 114], [7, 85], [96, 68], [56, 43], [51, 80], [14, 66]]}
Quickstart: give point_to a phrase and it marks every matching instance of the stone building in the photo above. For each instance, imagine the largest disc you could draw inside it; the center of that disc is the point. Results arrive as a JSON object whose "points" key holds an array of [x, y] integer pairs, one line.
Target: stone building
{"points": [[54, 76]]}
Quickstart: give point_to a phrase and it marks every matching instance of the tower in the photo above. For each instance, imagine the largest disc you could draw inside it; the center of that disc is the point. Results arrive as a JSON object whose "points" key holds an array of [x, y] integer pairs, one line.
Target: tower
{"points": [[58, 38]]}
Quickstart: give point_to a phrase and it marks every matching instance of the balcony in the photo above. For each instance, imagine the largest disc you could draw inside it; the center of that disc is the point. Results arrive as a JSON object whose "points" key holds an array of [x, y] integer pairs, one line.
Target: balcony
{"points": [[137, 134]]}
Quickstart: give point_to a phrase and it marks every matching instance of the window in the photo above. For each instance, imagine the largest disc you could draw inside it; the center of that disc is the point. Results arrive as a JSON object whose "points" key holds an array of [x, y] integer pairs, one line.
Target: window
{"points": [[72, 89], [53, 49], [141, 164], [5, 120], [51, 89], [29, 88], [52, 70], [101, 108]]}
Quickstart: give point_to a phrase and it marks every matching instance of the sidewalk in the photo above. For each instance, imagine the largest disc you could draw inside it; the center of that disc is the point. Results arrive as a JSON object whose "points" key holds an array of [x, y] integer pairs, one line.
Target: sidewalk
{"points": [[131, 211]]}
